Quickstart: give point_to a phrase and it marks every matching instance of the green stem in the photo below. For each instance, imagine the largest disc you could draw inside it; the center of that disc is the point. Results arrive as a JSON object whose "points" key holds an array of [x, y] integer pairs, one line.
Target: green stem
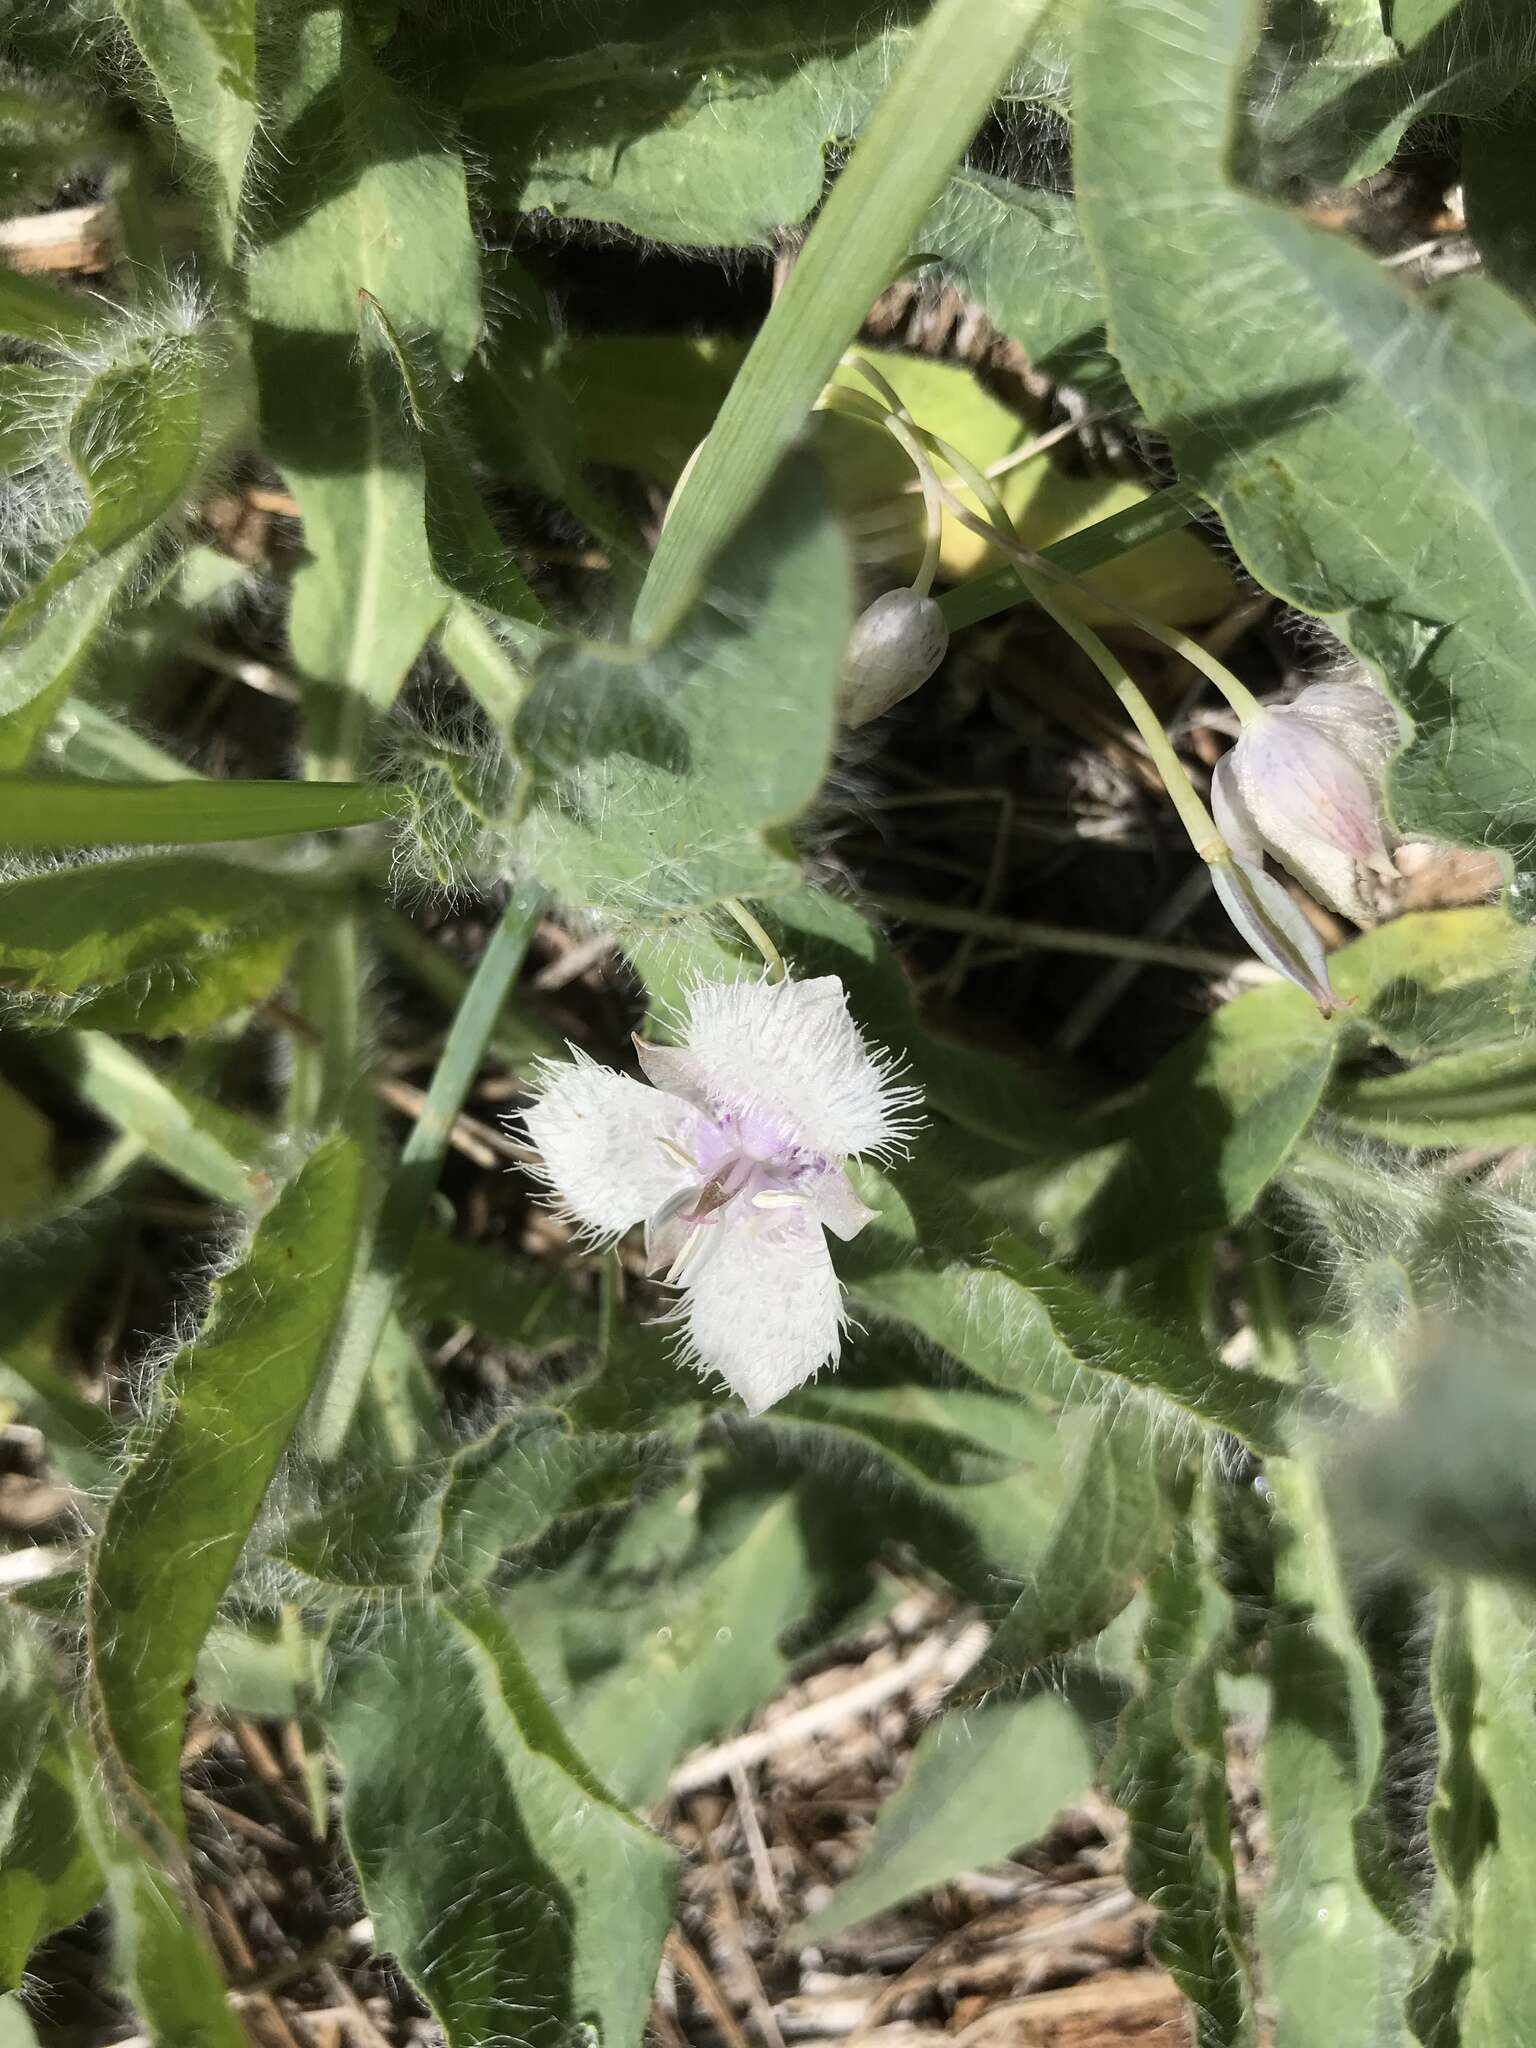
{"points": [[405, 1203], [1055, 938], [1003, 533], [1193, 815], [773, 959]]}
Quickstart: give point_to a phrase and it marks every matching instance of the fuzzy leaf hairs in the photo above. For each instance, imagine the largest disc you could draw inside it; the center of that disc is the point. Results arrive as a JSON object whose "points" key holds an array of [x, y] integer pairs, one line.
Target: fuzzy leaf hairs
{"points": [[734, 1160]]}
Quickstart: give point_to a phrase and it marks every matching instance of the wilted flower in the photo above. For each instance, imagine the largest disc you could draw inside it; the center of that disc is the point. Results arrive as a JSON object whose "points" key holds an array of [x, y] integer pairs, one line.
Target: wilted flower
{"points": [[1305, 784], [735, 1162]]}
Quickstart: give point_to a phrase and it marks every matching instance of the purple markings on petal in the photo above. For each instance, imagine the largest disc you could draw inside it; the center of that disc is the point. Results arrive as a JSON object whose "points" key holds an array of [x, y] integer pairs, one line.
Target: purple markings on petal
{"points": [[1266, 917]]}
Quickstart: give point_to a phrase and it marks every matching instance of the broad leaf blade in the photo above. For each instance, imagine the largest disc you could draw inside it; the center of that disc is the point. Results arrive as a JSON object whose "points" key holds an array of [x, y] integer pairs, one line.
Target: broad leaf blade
{"points": [[1388, 499], [360, 196], [520, 1899], [979, 1786], [663, 781], [203, 57]]}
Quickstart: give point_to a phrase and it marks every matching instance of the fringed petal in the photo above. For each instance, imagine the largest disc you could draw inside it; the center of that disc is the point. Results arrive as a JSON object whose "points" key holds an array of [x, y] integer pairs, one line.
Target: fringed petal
{"points": [[790, 1052], [614, 1151], [766, 1310]]}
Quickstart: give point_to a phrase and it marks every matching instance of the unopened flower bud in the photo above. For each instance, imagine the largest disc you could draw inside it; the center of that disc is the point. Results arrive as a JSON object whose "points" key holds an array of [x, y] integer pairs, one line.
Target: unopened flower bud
{"points": [[1305, 784], [894, 648], [1264, 915]]}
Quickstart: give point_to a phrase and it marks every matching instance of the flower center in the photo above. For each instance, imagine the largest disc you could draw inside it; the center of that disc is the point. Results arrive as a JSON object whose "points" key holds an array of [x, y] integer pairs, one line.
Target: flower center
{"points": [[747, 1169]]}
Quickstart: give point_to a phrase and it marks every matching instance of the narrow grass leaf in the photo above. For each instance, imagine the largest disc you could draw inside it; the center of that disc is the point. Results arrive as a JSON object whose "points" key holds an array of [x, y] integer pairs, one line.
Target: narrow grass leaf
{"points": [[62, 812], [956, 63], [213, 1149]]}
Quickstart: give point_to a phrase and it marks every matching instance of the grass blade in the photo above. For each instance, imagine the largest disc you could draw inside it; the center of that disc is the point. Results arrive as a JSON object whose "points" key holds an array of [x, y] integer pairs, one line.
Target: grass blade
{"points": [[954, 69]]}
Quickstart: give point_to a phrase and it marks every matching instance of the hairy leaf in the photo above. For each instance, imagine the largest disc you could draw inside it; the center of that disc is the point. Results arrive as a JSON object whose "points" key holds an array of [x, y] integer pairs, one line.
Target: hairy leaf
{"points": [[665, 782], [359, 196], [1113, 1527], [175, 1530], [710, 130], [203, 57], [164, 944], [1353, 454], [979, 1786], [521, 1900], [1167, 1772]]}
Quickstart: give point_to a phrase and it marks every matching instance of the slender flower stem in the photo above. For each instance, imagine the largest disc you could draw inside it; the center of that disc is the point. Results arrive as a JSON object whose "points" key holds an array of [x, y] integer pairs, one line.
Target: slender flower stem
{"points": [[406, 1200], [773, 959], [1193, 815], [1056, 938], [1000, 529]]}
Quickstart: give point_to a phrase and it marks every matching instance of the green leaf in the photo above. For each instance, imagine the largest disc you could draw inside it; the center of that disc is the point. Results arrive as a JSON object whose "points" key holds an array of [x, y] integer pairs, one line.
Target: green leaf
{"points": [[1390, 502], [203, 57], [1174, 1791], [392, 1235], [65, 811], [49, 1875], [980, 1785], [35, 309], [1480, 1983], [1213, 1127], [47, 136], [467, 552], [36, 676], [674, 1626], [1470, 1098], [210, 1148], [161, 1956], [1023, 1323], [1019, 253], [1113, 1527], [1335, 84], [451, 1520], [158, 945], [711, 132], [975, 1476], [174, 1531], [1335, 1965], [453, 1282], [954, 65], [500, 1875], [358, 195], [135, 439], [666, 781]]}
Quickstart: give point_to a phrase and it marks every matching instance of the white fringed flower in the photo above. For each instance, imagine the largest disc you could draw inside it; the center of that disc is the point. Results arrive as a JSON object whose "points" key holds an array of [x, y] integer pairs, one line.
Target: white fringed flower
{"points": [[1305, 783], [735, 1163]]}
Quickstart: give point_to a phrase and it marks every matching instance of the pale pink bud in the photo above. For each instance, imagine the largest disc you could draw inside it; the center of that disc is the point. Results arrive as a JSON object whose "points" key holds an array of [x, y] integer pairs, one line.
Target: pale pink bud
{"points": [[1305, 785], [1274, 927], [894, 648]]}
